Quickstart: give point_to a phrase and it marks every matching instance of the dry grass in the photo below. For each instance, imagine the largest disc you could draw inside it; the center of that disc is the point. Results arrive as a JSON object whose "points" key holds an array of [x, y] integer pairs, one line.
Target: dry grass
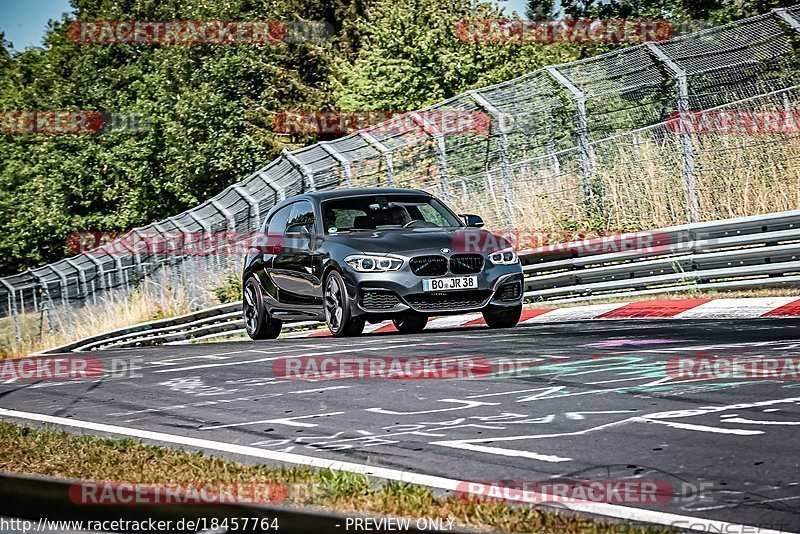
{"points": [[643, 188], [57, 453], [124, 310]]}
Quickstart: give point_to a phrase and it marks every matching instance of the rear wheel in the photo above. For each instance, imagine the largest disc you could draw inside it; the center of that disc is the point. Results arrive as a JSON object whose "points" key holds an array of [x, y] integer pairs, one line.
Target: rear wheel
{"points": [[257, 322], [410, 323], [502, 317], [337, 308]]}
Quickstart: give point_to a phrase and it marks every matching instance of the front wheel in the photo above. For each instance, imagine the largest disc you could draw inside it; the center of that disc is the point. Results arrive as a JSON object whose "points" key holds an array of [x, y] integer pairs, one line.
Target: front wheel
{"points": [[257, 322], [502, 317], [337, 308], [410, 323]]}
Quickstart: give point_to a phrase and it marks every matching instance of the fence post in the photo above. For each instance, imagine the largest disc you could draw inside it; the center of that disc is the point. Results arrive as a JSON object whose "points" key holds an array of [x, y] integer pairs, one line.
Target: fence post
{"points": [[441, 153], [188, 285], [12, 305], [687, 151], [343, 161], [302, 167], [787, 18], [280, 191], [255, 210], [505, 163], [81, 277], [385, 152], [62, 282], [581, 129], [206, 230], [99, 271]]}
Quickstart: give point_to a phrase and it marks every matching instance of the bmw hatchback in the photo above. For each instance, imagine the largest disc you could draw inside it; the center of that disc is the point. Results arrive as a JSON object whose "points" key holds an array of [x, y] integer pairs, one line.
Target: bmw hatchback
{"points": [[353, 256]]}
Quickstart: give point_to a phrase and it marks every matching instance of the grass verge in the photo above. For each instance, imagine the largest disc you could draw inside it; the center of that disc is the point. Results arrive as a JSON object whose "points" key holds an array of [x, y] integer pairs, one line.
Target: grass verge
{"points": [[44, 451]]}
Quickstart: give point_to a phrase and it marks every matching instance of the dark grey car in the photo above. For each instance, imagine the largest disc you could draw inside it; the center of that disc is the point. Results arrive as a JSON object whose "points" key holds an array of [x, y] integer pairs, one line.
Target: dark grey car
{"points": [[357, 255]]}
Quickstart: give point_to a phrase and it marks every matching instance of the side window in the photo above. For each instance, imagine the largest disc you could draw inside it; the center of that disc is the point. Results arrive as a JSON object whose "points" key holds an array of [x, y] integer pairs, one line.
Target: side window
{"points": [[302, 213], [277, 223]]}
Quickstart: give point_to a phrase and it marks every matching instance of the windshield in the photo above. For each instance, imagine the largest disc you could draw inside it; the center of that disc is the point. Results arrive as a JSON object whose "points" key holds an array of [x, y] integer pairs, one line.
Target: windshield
{"points": [[386, 212]]}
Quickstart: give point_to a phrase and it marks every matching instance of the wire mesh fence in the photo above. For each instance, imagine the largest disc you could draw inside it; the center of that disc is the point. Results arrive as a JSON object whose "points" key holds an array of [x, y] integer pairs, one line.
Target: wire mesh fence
{"points": [[587, 144]]}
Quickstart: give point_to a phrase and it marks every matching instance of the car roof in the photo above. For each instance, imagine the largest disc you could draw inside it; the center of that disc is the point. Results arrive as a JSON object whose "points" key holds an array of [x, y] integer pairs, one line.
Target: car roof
{"points": [[320, 196], [362, 191]]}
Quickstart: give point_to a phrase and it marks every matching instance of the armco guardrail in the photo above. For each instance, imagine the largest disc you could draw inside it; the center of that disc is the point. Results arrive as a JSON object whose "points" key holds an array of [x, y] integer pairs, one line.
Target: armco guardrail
{"points": [[38, 498], [203, 324], [757, 251], [557, 136]]}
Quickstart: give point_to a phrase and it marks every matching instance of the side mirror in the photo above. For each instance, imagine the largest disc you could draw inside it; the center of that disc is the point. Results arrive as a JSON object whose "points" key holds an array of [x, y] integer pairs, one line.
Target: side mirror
{"points": [[474, 221], [298, 229]]}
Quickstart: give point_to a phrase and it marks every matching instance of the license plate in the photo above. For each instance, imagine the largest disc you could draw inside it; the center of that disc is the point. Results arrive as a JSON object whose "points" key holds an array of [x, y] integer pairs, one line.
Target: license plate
{"points": [[450, 283]]}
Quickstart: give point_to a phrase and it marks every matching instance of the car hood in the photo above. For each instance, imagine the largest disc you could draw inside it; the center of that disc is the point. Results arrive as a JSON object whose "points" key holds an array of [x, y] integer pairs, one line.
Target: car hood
{"points": [[410, 241]]}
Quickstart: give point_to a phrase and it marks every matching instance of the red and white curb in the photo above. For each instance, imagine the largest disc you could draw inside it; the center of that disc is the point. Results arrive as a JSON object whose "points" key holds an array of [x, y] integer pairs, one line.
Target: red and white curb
{"points": [[741, 308]]}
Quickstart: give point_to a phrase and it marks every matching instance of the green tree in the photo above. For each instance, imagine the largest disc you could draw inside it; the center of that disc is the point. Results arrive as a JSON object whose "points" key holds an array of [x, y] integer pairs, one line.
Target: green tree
{"points": [[412, 56]]}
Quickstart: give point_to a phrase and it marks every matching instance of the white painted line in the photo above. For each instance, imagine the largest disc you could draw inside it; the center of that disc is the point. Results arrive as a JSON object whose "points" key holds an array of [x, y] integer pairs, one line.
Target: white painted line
{"points": [[603, 509], [288, 421], [317, 390]]}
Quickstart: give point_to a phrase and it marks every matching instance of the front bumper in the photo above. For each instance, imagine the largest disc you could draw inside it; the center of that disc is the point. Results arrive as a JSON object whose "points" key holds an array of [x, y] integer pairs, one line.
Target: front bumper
{"points": [[395, 292]]}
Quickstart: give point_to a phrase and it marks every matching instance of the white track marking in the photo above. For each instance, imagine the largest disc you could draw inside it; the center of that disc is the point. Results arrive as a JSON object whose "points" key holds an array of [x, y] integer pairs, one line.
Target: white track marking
{"points": [[602, 509], [288, 421], [316, 390], [703, 428]]}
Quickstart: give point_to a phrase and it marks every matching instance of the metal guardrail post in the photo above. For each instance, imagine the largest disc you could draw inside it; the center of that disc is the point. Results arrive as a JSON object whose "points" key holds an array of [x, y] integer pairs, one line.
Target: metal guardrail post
{"points": [[99, 271], [81, 277], [250, 199], [788, 18], [231, 223], [687, 151], [12, 306], [581, 129], [343, 161], [385, 152], [206, 229], [280, 191], [441, 153], [230, 220], [505, 163], [304, 169], [188, 285], [64, 290]]}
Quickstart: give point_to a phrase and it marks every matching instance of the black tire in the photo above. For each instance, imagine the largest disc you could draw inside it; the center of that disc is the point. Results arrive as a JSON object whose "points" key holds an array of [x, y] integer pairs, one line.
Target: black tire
{"points": [[502, 317], [410, 323], [257, 322], [337, 308]]}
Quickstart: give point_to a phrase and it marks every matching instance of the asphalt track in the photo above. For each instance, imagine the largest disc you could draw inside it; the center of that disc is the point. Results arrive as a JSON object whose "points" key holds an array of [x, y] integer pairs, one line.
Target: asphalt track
{"points": [[592, 401]]}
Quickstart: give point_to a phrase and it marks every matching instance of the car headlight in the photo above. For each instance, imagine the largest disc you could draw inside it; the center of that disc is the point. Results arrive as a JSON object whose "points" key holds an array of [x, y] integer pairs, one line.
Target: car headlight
{"points": [[507, 256], [365, 263]]}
